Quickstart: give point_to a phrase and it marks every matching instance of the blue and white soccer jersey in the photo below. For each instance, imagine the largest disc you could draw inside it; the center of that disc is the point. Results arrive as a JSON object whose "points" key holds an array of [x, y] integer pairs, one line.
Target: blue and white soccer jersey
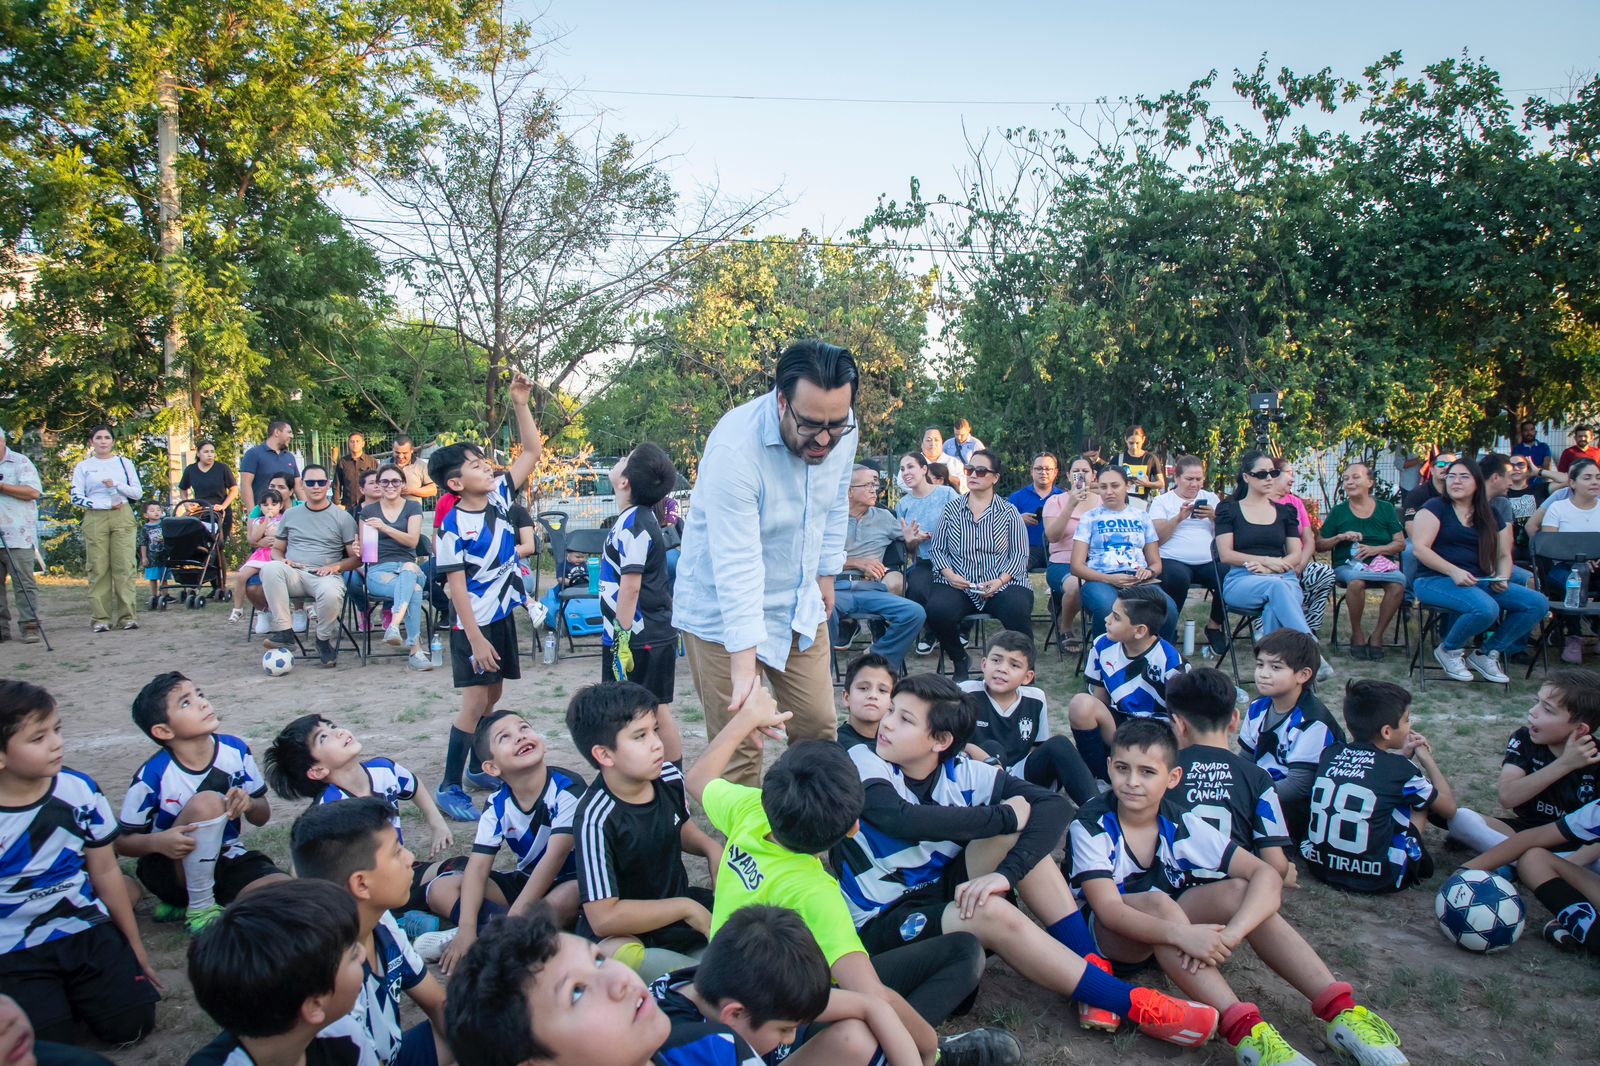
{"points": [[395, 968], [1300, 738], [528, 832], [45, 892], [1011, 734], [483, 545], [389, 782], [1582, 826], [696, 1040], [1136, 684], [163, 786], [1187, 848], [1360, 835], [884, 868]]}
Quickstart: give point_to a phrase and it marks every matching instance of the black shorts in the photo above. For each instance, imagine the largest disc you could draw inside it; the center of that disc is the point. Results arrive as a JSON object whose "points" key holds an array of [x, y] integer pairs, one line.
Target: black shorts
{"points": [[76, 977], [1122, 971], [420, 880], [164, 876], [917, 915], [679, 936], [502, 637], [655, 666]]}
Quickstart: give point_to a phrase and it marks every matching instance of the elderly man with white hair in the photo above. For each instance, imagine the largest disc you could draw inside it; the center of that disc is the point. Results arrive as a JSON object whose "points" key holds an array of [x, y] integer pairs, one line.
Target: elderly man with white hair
{"points": [[20, 490]]}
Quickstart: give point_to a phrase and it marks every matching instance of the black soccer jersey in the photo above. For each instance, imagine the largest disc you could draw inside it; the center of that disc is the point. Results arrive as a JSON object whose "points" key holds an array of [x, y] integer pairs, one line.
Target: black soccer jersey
{"points": [[1233, 794], [696, 1040], [849, 738], [1560, 799], [632, 850], [1361, 802], [1010, 734]]}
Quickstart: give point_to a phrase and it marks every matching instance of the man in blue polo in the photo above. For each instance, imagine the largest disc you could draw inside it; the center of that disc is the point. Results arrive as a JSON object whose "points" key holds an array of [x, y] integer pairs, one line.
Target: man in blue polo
{"points": [[1029, 501]]}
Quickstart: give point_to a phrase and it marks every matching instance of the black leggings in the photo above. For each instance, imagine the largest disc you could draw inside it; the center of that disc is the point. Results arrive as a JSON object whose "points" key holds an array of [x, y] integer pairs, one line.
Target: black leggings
{"points": [[938, 976], [919, 581], [126, 1026], [1012, 605], [1177, 578], [1055, 763]]}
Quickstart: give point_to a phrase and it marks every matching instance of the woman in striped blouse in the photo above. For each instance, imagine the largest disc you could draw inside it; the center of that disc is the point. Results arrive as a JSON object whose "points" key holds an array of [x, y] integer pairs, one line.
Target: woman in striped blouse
{"points": [[105, 485], [980, 563]]}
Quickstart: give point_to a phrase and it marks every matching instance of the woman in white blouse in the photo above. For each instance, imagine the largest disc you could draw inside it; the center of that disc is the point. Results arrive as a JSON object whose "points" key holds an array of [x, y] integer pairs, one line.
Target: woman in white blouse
{"points": [[105, 485]]}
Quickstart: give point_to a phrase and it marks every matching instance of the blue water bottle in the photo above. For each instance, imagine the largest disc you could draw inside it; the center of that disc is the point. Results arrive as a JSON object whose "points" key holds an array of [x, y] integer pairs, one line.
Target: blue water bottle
{"points": [[1574, 589]]}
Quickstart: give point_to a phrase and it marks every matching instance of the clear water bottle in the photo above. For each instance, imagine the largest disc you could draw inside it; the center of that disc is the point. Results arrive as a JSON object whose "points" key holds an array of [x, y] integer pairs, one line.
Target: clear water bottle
{"points": [[1574, 588], [436, 651], [550, 647], [1188, 637]]}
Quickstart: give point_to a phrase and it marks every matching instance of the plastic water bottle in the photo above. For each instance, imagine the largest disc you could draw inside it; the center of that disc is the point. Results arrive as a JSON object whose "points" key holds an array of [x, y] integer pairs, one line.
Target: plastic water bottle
{"points": [[550, 647], [436, 651], [369, 545], [1574, 589], [1188, 637]]}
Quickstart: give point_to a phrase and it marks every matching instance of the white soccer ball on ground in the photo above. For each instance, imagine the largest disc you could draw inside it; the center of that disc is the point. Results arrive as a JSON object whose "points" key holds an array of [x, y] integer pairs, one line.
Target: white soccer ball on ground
{"points": [[1480, 911], [277, 661]]}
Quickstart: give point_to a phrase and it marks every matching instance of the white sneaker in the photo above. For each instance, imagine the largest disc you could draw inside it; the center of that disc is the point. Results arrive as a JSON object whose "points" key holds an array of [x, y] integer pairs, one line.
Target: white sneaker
{"points": [[431, 945], [1324, 671], [1454, 663], [1487, 663]]}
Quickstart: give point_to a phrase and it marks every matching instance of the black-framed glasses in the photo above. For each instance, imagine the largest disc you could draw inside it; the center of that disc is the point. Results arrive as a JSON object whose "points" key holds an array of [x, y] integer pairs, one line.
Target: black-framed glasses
{"points": [[981, 471], [811, 429], [314, 482], [1262, 475], [390, 482]]}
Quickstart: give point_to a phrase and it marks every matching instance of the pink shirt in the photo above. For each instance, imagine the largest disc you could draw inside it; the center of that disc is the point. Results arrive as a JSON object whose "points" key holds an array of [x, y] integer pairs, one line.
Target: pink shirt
{"points": [[1300, 512], [1061, 550]]}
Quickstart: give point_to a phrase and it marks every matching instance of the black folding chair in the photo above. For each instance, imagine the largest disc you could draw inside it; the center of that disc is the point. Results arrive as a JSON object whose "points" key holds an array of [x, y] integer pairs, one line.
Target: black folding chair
{"points": [[1236, 621], [1341, 592], [1548, 549]]}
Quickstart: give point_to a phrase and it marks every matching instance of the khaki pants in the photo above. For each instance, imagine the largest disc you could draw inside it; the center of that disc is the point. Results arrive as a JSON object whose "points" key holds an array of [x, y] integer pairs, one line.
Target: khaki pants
{"points": [[282, 583], [108, 557], [804, 688], [17, 564]]}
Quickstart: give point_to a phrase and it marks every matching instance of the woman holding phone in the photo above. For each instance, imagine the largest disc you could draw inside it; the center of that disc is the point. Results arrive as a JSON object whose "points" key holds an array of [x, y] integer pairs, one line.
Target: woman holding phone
{"points": [[1060, 517], [1185, 519]]}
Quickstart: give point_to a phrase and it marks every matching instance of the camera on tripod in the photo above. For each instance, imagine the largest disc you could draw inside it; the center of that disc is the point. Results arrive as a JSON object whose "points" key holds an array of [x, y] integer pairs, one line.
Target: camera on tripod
{"points": [[1265, 409]]}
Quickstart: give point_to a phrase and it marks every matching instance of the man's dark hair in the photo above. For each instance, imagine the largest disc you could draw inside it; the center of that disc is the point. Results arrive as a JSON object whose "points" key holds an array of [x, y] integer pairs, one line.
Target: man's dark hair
{"points": [[480, 736], [826, 366], [400, 440], [255, 966], [275, 425], [812, 797], [1370, 705], [598, 713], [962, 423], [1579, 693], [1145, 605], [287, 760], [1576, 429], [1010, 640], [1050, 456], [933, 429], [203, 442], [353, 435], [446, 463], [1494, 463], [487, 1018], [1298, 650], [767, 959], [331, 841], [150, 705], [1202, 697], [867, 660], [1147, 734], [949, 711], [650, 474], [20, 701], [1527, 423], [306, 470]]}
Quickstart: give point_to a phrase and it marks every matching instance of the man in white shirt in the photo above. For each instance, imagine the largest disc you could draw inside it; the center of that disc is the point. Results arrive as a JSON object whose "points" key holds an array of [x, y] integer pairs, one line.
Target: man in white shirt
{"points": [[1184, 520], [20, 490]]}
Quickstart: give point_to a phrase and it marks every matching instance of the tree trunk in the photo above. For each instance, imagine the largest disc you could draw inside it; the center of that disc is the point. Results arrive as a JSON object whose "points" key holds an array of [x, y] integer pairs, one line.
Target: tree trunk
{"points": [[180, 413]]}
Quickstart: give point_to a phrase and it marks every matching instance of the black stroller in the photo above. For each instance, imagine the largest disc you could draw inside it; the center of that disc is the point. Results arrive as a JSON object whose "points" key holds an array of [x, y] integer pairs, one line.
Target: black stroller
{"points": [[190, 555]]}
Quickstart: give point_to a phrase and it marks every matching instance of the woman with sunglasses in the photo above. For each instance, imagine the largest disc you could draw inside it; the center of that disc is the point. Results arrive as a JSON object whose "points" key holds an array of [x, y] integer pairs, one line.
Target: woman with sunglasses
{"points": [[1463, 553], [980, 562], [1113, 548], [396, 575], [1258, 540]]}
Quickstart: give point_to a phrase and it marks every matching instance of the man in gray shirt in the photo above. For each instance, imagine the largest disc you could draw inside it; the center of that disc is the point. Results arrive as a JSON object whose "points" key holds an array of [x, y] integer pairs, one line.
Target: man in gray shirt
{"points": [[867, 586], [316, 544]]}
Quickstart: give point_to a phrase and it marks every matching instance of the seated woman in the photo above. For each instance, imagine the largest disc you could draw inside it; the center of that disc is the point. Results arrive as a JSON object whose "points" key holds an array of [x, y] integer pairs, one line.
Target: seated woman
{"points": [[396, 575], [980, 563], [919, 511], [1115, 547], [1184, 518], [1579, 512], [1316, 578], [1258, 540], [1366, 538], [1463, 553], [1061, 515]]}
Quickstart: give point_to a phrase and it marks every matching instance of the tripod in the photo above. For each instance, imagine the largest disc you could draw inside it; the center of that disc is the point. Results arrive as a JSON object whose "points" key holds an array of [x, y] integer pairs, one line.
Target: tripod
{"points": [[24, 591]]}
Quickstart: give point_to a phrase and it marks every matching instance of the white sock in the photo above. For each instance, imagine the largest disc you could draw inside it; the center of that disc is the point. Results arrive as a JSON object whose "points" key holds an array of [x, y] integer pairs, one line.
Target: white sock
{"points": [[200, 865], [1468, 827]]}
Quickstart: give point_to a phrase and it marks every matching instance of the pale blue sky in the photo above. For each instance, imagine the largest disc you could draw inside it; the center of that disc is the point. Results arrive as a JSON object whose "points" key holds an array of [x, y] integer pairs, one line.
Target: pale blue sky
{"points": [[833, 159]]}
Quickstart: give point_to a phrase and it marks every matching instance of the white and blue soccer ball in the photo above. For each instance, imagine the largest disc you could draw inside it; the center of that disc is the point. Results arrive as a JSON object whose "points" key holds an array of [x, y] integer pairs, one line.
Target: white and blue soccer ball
{"points": [[277, 661], [1480, 911]]}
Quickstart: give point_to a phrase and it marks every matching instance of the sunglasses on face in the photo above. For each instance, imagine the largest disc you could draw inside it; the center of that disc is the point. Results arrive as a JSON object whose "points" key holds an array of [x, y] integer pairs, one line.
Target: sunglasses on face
{"points": [[980, 471], [314, 482], [1262, 475], [391, 483]]}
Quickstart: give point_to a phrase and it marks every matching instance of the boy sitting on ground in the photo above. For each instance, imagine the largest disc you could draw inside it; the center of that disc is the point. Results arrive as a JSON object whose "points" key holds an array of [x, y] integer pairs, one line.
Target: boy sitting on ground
{"points": [[1153, 906], [1014, 722], [1369, 800], [70, 952], [945, 839], [1286, 730], [280, 972], [1225, 789], [868, 687], [533, 812], [180, 817], [354, 845], [633, 827], [1568, 889], [1127, 673], [311, 758]]}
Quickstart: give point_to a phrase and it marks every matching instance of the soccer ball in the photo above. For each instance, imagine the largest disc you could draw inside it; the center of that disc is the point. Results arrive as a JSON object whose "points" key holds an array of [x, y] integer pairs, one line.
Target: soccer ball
{"points": [[1480, 911], [277, 662]]}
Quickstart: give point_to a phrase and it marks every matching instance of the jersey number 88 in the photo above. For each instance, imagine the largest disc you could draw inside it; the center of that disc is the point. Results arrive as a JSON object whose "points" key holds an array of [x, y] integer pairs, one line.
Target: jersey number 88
{"points": [[1339, 818]]}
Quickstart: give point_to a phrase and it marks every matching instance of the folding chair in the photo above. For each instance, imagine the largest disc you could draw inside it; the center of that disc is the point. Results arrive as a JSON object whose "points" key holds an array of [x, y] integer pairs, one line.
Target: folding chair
{"points": [[1402, 635], [1548, 549], [589, 542], [1232, 627], [977, 621]]}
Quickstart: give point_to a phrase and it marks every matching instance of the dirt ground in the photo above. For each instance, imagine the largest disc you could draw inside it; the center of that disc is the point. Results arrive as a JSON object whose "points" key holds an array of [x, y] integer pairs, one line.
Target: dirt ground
{"points": [[1451, 1008]]}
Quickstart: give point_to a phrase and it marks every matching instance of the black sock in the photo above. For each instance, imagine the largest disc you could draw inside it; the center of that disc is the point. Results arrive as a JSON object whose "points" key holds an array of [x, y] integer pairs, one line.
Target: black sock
{"points": [[455, 756], [1093, 749], [1575, 913]]}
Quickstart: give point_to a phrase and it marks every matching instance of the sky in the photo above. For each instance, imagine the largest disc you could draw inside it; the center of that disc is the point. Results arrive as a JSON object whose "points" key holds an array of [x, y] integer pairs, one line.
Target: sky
{"points": [[832, 160]]}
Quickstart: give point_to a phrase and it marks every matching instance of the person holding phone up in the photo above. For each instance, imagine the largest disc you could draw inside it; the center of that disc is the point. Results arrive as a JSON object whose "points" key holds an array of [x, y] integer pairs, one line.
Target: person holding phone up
{"points": [[1185, 519]]}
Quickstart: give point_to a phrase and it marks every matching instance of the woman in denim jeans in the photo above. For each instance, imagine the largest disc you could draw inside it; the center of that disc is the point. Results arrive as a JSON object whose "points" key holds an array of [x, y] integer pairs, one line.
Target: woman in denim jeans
{"points": [[1463, 553], [396, 574], [1258, 540]]}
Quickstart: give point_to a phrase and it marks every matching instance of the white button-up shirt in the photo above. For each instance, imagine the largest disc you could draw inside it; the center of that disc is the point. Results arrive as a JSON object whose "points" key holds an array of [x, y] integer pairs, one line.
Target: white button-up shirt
{"points": [[19, 519], [762, 527]]}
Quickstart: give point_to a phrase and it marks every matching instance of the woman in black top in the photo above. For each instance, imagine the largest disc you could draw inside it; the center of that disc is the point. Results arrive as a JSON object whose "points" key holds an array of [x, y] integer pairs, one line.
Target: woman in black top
{"points": [[1463, 553], [212, 483], [396, 575], [1258, 540]]}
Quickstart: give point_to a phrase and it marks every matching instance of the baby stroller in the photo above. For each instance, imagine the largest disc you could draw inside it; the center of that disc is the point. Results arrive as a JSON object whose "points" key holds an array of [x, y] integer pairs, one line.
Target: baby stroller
{"points": [[190, 554]]}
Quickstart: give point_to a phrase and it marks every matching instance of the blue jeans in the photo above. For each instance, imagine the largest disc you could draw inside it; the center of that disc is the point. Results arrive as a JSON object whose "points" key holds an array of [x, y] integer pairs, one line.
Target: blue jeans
{"points": [[402, 587], [1477, 608], [1098, 597], [1348, 573], [902, 617], [1278, 597]]}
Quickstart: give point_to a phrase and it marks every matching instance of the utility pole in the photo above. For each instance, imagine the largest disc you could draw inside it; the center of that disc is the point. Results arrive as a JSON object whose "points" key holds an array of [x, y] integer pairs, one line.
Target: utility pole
{"points": [[180, 428]]}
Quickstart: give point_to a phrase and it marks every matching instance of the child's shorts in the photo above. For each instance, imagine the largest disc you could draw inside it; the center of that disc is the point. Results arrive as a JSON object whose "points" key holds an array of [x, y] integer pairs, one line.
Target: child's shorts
{"points": [[420, 879], [153, 573], [655, 666], [918, 915], [502, 637], [679, 936], [81, 976], [164, 876]]}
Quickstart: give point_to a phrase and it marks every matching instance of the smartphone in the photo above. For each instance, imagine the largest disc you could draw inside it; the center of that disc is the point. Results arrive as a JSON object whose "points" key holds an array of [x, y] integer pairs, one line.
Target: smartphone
{"points": [[1079, 482]]}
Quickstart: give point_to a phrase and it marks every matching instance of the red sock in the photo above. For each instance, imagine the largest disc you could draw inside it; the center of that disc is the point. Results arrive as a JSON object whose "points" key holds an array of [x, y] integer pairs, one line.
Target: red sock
{"points": [[1333, 1001], [1238, 1020]]}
